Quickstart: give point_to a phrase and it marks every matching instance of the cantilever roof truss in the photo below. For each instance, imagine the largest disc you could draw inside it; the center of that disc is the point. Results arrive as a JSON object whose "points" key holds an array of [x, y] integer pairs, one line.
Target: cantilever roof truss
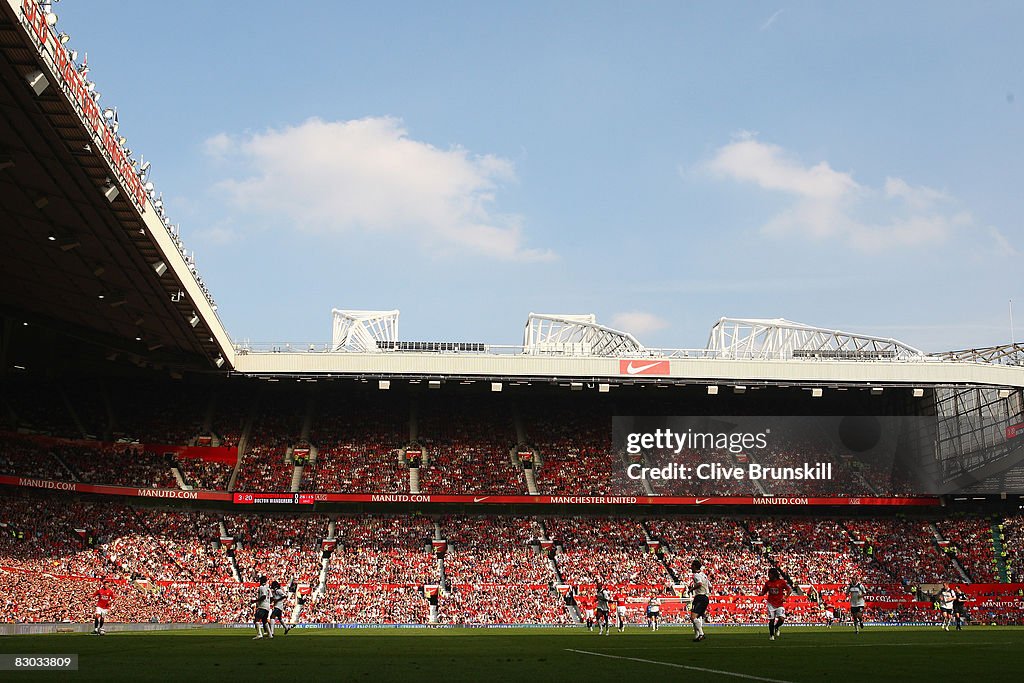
{"points": [[780, 338]]}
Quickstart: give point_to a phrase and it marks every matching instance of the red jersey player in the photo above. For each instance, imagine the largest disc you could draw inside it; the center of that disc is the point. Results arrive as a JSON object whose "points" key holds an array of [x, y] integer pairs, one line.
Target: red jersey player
{"points": [[103, 597], [776, 589]]}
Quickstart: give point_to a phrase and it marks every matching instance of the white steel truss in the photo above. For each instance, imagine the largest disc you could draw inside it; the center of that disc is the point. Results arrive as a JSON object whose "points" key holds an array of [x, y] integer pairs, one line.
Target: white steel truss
{"points": [[780, 339], [1006, 354], [576, 335], [359, 331]]}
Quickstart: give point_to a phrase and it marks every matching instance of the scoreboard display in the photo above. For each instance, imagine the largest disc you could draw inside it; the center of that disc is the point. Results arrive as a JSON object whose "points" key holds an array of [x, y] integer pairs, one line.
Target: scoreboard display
{"points": [[273, 499]]}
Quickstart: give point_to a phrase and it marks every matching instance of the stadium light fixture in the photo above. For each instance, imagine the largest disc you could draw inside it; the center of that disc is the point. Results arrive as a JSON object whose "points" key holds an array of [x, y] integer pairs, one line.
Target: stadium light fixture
{"points": [[194, 320], [712, 390], [384, 384], [434, 384], [918, 392], [37, 81], [496, 386], [220, 361], [160, 267], [63, 38], [51, 236], [1004, 393], [576, 386], [877, 391], [111, 192], [816, 392], [739, 389], [603, 388]]}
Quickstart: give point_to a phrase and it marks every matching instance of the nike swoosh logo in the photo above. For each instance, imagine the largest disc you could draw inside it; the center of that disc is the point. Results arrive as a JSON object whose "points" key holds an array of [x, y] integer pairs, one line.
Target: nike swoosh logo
{"points": [[634, 369], [702, 500], [477, 499]]}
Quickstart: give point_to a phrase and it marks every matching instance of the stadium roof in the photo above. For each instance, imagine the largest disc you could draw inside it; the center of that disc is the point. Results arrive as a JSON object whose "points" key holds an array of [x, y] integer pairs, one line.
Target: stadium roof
{"points": [[86, 252], [90, 252]]}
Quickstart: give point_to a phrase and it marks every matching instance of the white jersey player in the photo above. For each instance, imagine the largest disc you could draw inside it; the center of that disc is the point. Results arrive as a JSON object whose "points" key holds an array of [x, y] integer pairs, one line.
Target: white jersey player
{"points": [[700, 589]]}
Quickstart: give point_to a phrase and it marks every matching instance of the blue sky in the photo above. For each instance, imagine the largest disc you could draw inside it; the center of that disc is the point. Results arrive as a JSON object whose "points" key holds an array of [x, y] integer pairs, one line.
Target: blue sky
{"points": [[854, 165]]}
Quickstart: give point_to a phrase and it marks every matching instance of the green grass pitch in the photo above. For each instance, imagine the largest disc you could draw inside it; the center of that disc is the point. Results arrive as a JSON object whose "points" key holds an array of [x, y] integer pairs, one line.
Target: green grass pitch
{"points": [[800, 655]]}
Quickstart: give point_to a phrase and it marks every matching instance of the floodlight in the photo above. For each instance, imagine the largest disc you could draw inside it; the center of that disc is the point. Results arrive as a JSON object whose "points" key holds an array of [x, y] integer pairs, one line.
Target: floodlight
{"points": [[712, 390], [384, 384], [496, 386], [37, 82]]}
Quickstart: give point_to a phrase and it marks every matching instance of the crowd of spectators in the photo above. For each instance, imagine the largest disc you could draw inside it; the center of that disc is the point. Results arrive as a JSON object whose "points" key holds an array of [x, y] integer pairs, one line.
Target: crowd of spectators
{"points": [[383, 549], [382, 604], [494, 550], [266, 465], [358, 449], [815, 551], [209, 475], [971, 541], [906, 549], [502, 604], [26, 457], [117, 464], [468, 449], [280, 546], [171, 564], [576, 455], [604, 550]]}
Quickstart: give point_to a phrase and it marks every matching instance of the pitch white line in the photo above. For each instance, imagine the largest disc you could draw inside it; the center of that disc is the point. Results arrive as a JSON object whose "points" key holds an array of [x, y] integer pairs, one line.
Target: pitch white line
{"points": [[806, 645], [681, 666]]}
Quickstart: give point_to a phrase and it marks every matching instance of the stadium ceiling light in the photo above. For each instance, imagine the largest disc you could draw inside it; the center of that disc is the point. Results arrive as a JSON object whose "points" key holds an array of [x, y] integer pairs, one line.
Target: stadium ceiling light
{"points": [[816, 392], [603, 388], [63, 38], [98, 269], [37, 81], [138, 338], [877, 391], [52, 236], [739, 389], [194, 320], [918, 392], [1004, 393], [712, 390], [434, 384], [220, 362], [101, 296], [496, 386], [576, 386], [111, 192], [384, 384]]}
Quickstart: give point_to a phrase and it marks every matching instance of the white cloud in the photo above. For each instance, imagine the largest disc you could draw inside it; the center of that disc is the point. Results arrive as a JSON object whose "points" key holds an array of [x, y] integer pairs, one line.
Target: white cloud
{"points": [[369, 176], [771, 20], [826, 203], [638, 323]]}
